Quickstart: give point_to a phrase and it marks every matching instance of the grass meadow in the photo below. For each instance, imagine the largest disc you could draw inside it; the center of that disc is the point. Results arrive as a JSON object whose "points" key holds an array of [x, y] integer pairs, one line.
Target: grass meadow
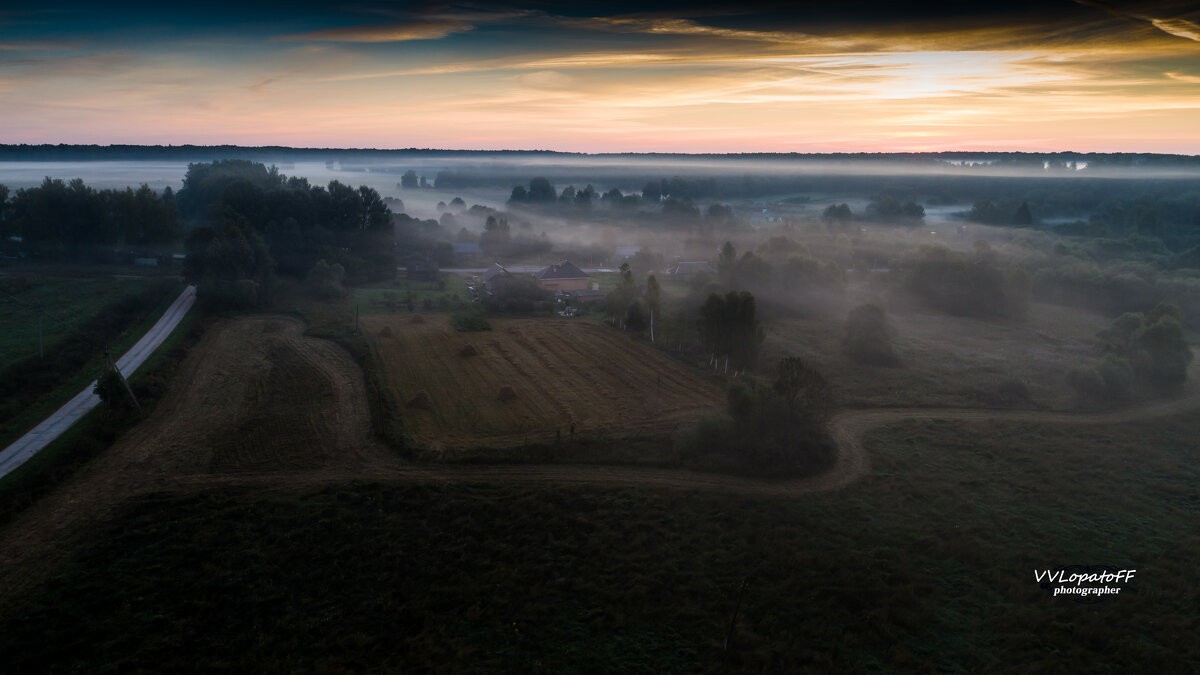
{"points": [[926, 565]]}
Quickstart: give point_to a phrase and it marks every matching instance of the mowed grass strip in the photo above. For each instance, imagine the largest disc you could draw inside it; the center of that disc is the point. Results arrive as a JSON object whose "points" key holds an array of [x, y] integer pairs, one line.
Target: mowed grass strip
{"points": [[927, 565], [554, 373]]}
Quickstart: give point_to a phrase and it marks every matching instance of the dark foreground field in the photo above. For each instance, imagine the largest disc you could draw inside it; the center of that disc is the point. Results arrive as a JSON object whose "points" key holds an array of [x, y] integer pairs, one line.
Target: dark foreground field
{"points": [[927, 564]]}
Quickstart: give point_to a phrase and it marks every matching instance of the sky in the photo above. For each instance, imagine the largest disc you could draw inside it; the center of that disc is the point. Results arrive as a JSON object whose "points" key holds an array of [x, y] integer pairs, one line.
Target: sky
{"points": [[871, 76]]}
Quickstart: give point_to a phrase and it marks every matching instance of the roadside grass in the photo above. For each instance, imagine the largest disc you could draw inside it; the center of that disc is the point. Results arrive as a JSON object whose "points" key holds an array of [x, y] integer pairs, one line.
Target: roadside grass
{"points": [[37, 387], [61, 305], [96, 431], [926, 565]]}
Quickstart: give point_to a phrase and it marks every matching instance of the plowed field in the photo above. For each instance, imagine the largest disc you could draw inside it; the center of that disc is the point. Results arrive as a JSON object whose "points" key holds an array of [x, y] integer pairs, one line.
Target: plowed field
{"points": [[553, 373]]}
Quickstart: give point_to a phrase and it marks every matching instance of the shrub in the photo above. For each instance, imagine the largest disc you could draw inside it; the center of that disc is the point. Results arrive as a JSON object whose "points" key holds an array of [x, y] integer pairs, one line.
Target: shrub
{"points": [[868, 338], [469, 321], [1087, 383]]}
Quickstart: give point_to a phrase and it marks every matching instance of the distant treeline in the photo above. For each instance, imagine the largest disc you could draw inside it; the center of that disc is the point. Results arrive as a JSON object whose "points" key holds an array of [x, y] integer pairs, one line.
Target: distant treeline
{"points": [[69, 221], [64, 152]]}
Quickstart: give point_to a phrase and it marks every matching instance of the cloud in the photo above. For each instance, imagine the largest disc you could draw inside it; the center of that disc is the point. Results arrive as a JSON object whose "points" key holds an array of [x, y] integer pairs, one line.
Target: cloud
{"points": [[1180, 77], [419, 29], [37, 46], [545, 79], [1178, 27]]}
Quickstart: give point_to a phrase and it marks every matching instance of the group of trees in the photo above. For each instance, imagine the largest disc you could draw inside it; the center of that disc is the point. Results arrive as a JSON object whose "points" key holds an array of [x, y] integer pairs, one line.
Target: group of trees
{"points": [[1005, 213], [1149, 349], [967, 284], [665, 209], [250, 221], [730, 329], [73, 222], [775, 427]]}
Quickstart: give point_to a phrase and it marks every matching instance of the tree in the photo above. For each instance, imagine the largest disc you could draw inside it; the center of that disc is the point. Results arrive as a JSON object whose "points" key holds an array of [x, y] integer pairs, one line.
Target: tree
{"points": [[653, 297], [726, 260], [839, 213], [228, 263], [618, 300], [868, 338], [1154, 344], [111, 390], [804, 391], [541, 191], [409, 180], [729, 327], [1022, 217]]}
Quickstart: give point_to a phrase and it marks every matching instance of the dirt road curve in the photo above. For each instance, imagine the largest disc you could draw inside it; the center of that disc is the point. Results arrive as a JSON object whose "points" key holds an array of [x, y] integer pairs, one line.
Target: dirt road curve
{"points": [[269, 408]]}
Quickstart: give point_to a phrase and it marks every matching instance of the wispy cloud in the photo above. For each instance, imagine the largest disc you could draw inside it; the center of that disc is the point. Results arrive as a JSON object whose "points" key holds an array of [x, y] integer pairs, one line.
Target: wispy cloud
{"points": [[1178, 27], [1172, 26], [1180, 77], [418, 29], [37, 46]]}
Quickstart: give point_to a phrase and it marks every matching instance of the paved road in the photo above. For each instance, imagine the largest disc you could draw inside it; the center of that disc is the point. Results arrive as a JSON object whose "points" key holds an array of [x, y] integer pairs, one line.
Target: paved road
{"points": [[52, 427]]}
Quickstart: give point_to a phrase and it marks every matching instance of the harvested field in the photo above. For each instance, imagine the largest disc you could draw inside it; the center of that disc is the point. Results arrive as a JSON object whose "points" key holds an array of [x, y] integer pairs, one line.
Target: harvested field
{"points": [[256, 397], [531, 378], [264, 398]]}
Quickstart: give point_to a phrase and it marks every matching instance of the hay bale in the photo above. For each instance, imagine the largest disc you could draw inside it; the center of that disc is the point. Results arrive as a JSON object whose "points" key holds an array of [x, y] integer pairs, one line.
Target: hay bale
{"points": [[417, 318], [421, 401], [507, 393], [468, 350], [386, 332]]}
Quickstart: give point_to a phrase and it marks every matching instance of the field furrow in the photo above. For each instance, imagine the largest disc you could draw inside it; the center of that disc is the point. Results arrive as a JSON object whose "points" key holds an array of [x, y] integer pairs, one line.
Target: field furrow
{"points": [[531, 380]]}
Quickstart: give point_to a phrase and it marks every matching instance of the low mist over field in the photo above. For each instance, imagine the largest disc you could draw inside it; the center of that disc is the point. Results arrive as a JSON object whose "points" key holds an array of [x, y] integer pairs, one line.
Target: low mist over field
{"points": [[600, 337]]}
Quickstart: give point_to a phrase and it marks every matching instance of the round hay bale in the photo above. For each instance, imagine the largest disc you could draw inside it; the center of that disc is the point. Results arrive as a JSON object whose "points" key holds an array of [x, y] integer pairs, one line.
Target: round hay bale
{"points": [[468, 350], [386, 332], [421, 401], [417, 318], [507, 393]]}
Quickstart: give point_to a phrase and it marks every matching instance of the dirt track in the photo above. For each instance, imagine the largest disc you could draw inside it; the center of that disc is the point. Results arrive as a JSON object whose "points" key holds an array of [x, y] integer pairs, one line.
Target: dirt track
{"points": [[246, 418]]}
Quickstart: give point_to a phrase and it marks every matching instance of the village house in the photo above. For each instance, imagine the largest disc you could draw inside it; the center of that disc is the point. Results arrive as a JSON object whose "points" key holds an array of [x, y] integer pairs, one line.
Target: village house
{"points": [[496, 277], [562, 276]]}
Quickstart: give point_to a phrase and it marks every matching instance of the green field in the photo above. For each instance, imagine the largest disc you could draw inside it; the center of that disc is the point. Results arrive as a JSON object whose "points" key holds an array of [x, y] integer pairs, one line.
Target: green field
{"points": [[60, 305], [391, 297], [926, 565]]}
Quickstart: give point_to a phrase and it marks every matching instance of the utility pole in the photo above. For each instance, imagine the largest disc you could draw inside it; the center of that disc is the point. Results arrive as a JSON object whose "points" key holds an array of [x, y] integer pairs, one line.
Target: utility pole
{"points": [[121, 377]]}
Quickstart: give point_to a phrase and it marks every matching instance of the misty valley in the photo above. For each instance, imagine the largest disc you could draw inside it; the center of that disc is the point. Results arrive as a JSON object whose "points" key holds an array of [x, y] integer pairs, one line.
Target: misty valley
{"points": [[484, 411]]}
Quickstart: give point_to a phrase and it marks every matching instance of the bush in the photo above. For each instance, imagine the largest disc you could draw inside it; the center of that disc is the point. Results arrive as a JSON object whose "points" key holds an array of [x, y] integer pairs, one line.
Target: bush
{"points": [[1087, 383], [868, 338], [469, 321]]}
